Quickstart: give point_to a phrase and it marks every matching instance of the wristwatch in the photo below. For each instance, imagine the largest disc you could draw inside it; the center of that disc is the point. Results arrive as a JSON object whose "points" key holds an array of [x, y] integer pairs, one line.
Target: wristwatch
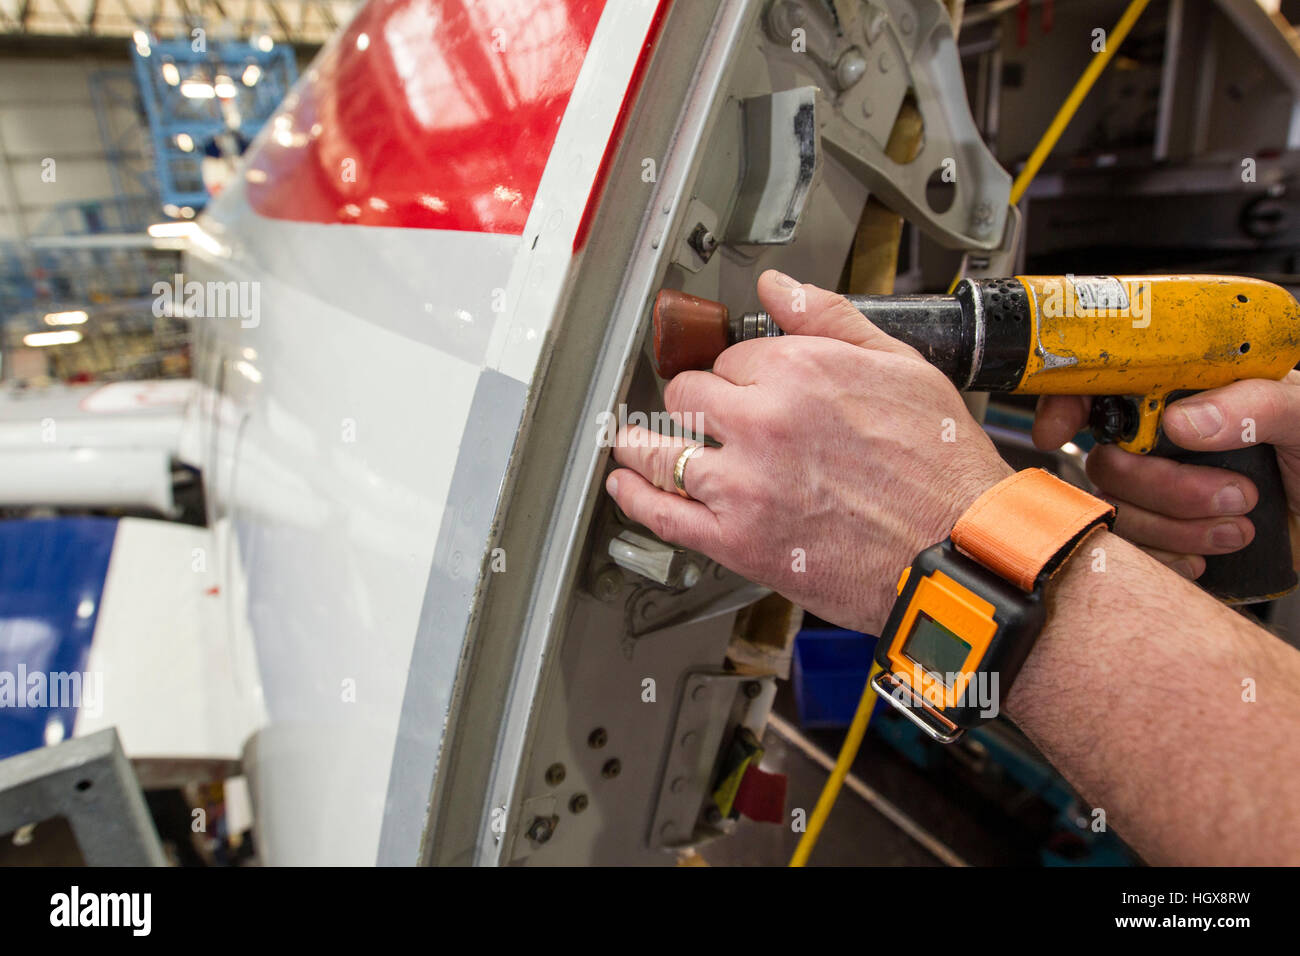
{"points": [[970, 608]]}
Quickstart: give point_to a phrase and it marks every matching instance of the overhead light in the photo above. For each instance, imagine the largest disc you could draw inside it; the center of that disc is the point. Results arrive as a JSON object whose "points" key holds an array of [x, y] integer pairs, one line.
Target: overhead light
{"points": [[363, 40], [252, 73], [140, 37], [191, 232], [282, 129], [185, 141], [225, 87], [171, 74], [187, 212], [65, 318], [197, 90], [264, 43], [39, 339], [171, 230], [172, 210]]}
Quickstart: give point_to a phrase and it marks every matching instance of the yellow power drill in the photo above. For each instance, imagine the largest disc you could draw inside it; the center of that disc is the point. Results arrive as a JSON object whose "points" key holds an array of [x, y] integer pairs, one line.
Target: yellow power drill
{"points": [[1135, 342]]}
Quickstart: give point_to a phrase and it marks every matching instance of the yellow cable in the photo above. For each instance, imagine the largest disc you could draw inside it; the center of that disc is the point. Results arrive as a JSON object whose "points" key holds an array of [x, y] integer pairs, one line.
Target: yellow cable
{"points": [[1073, 101], [862, 718], [848, 752], [1082, 87]]}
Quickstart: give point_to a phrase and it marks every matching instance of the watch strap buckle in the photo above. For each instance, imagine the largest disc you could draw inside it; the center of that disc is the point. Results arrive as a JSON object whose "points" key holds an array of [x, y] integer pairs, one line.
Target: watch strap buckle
{"points": [[914, 707]]}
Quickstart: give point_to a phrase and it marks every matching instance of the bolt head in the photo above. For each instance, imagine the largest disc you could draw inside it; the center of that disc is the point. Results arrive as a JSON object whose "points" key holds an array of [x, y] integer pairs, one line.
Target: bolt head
{"points": [[597, 738], [611, 769], [703, 241], [608, 584], [578, 803], [540, 830], [851, 68], [555, 774]]}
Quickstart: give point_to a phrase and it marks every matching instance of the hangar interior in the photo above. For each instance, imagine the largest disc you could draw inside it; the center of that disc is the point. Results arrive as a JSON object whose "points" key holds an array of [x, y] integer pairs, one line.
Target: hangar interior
{"points": [[165, 483]]}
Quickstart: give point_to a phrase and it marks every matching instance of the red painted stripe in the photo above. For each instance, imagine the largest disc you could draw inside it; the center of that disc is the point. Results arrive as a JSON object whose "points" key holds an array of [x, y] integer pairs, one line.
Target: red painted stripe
{"points": [[620, 126], [434, 114]]}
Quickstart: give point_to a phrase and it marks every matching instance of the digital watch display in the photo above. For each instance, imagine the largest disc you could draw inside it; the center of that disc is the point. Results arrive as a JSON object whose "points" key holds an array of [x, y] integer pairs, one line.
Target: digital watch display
{"points": [[938, 650]]}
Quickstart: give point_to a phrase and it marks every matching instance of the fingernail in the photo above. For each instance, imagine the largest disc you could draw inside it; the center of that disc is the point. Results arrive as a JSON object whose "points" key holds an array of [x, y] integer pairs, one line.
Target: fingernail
{"points": [[1185, 568], [1230, 501], [611, 484], [1227, 535], [1204, 417], [780, 278]]}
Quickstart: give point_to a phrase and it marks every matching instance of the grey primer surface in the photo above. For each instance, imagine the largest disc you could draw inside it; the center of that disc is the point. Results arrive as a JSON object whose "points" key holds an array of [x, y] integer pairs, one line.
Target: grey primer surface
{"points": [[485, 449], [89, 782]]}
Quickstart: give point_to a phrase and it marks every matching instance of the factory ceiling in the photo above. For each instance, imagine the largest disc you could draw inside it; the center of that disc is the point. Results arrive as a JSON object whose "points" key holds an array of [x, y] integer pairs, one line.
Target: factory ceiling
{"points": [[300, 22]]}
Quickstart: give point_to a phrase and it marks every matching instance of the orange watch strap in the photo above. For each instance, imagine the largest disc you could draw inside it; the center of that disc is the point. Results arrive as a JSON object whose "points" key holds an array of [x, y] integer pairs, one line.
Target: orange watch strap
{"points": [[1028, 525]]}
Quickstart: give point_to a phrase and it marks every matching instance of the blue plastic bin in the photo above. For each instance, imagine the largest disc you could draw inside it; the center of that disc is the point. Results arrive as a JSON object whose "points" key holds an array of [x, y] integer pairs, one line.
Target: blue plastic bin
{"points": [[829, 671]]}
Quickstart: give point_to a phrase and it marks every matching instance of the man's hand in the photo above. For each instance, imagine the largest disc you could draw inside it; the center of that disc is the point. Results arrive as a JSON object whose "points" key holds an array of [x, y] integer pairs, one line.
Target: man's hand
{"points": [[1179, 513], [844, 454]]}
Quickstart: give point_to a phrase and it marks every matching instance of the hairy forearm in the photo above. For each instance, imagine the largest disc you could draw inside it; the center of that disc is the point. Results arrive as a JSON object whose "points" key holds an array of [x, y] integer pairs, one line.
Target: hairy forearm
{"points": [[1139, 691]]}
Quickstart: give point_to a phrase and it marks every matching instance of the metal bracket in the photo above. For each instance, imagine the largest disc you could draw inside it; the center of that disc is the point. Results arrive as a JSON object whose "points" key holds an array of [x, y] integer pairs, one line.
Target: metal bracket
{"points": [[89, 782], [782, 157], [999, 262], [712, 705], [651, 558], [873, 53]]}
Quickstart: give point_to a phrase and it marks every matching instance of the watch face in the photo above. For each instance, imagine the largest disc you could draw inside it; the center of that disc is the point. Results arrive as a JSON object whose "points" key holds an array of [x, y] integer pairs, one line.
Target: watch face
{"points": [[936, 649]]}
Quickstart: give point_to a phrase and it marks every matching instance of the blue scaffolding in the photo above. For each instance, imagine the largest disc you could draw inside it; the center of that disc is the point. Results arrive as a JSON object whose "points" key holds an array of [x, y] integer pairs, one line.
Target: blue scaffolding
{"points": [[206, 102]]}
